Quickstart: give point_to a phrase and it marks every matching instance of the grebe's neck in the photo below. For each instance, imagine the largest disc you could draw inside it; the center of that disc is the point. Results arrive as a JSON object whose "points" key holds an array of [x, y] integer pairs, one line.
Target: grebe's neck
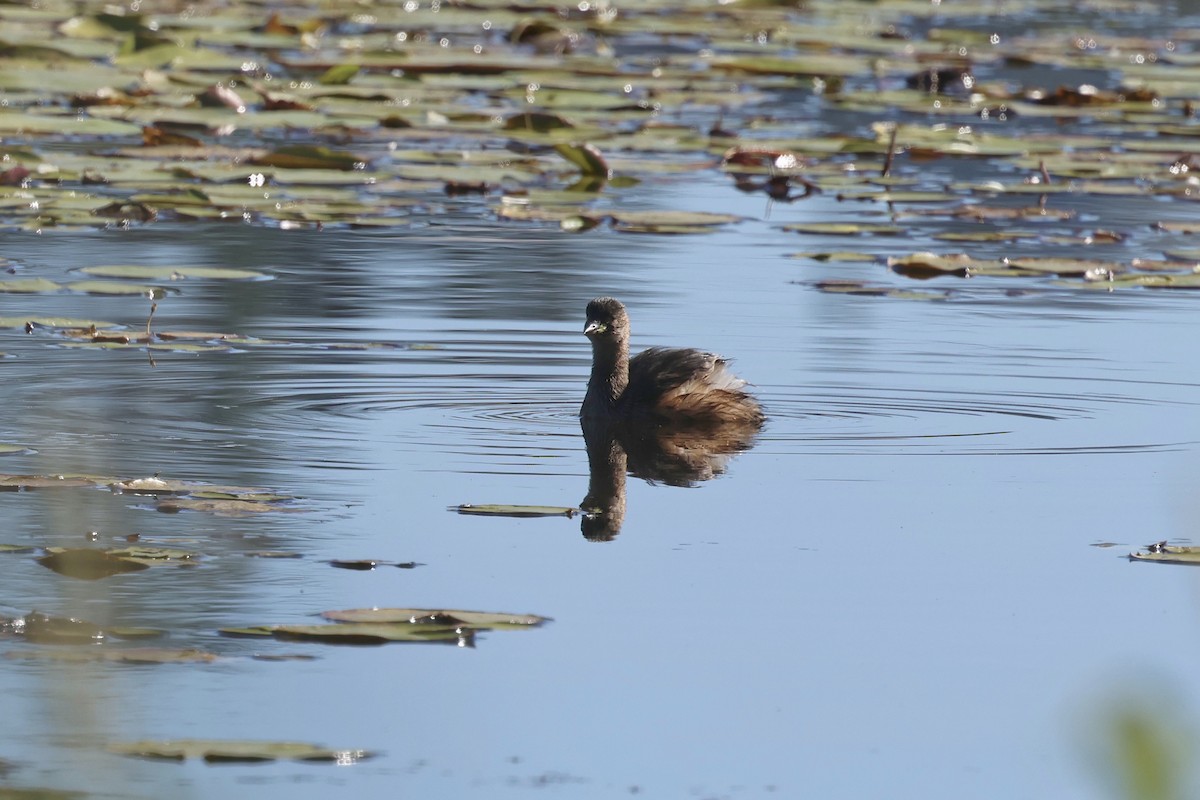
{"points": [[610, 370]]}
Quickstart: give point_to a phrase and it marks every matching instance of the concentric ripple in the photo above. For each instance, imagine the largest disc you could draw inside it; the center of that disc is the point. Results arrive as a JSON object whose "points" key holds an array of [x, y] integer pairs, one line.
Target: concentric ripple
{"points": [[843, 420]]}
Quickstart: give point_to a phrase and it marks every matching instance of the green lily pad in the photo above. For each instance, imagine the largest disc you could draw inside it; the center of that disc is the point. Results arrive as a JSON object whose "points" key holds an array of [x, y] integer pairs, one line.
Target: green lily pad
{"points": [[928, 265], [368, 564], [140, 272], [309, 157], [45, 629], [28, 286], [844, 228], [1165, 553], [587, 157], [151, 556], [223, 508], [864, 289], [88, 564], [116, 288], [20, 483], [536, 122], [669, 221], [1158, 281], [845, 256], [503, 510], [426, 616], [53, 322], [233, 750], [128, 655], [1068, 266], [15, 793], [350, 633], [338, 75]]}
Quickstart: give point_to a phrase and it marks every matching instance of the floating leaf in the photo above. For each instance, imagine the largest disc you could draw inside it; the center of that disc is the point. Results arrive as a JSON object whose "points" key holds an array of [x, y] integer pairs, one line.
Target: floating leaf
{"points": [[1168, 554], [366, 564], [28, 286], [143, 272], [536, 121], [353, 634], [14, 793], [1068, 266], [34, 323], [154, 555], [222, 508], [16, 483], [502, 510], [45, 629], [116, 288], [339, 75], [88, 564], [587, 157], [670, 221], [844, 228], [427, 616], [308, 157], [838, 257], [232, 750], [868, 290], [928, 265]]}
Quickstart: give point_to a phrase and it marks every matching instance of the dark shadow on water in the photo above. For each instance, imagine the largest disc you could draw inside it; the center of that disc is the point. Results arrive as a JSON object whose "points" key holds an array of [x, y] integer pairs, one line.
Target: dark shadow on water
{"points": [[674, 455]]}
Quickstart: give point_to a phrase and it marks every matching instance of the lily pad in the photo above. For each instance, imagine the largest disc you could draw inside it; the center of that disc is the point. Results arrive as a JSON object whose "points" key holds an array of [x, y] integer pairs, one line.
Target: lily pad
{"points": [[367, 564], [1165, 553], [845, 228], [669, 221], [1068, 266], [88, 564], [223, 508], [45, 629], [127, 655], [28, 286], [233, 750], [350, 633], [20, 483], [924, 265], [587, 157], [428, 616], [503, 510], [116, 288], [144, 272]]}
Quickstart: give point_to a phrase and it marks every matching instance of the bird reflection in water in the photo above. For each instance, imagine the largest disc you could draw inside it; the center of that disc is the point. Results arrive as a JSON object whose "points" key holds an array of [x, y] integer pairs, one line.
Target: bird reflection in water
{"points": [[668, 415], [672, 455]]}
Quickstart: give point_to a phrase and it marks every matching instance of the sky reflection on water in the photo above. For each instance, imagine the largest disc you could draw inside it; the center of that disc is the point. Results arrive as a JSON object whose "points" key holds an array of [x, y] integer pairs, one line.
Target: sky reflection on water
{"points": [[894, 593]]}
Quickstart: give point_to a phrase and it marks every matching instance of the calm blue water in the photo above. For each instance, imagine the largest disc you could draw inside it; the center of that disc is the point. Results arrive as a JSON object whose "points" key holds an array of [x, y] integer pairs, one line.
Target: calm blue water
{"points": [[904, 589], [894, 593]]}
